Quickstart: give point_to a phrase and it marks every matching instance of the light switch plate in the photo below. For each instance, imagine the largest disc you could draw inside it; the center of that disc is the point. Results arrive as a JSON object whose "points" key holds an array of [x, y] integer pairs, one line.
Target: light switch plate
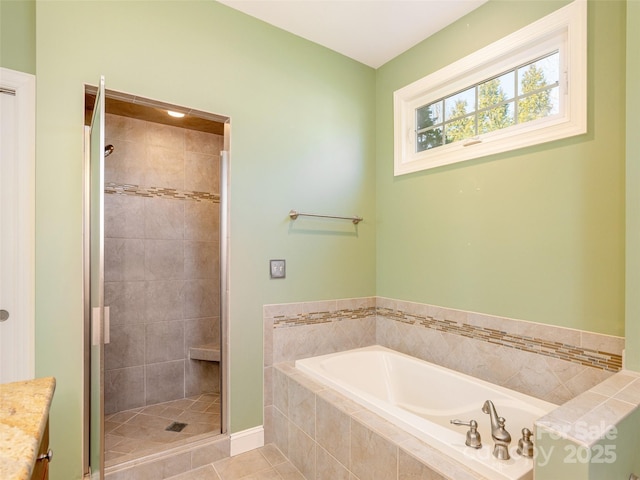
{"points": [[277, 268]]}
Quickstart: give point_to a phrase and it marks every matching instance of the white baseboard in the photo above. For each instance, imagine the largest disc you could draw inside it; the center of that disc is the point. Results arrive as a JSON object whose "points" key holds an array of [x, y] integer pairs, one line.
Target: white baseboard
{"points": [[246, 440]]}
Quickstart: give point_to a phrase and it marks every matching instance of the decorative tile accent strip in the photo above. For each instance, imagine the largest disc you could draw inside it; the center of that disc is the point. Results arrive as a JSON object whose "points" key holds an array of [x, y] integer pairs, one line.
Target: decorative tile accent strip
{"points": [[313, 318], [138, 191], [610, 362]]}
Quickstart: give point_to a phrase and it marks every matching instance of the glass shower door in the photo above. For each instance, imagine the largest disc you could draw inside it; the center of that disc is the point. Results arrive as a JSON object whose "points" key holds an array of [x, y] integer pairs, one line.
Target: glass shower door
{"points": [[98, 314]]}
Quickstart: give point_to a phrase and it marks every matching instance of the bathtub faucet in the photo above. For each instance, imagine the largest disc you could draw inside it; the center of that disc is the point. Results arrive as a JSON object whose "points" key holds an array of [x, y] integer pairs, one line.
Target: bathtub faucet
{"points": [[501, 437]]}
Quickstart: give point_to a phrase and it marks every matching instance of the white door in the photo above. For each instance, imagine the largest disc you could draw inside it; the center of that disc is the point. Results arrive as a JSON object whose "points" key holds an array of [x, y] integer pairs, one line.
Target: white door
{"points": [[17, 225]]}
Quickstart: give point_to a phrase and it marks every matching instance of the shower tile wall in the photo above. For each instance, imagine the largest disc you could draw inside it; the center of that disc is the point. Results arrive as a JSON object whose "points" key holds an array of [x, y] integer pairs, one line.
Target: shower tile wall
{"points": [[161, 262]]}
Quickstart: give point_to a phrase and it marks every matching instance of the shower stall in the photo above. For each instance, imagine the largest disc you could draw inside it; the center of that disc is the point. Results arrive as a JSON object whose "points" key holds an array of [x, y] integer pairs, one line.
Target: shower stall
{"points": [[161, 367]]}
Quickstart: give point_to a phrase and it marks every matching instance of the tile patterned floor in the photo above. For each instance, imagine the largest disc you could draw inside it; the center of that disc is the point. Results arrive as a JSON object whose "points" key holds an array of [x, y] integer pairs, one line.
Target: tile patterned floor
{"points": [[141, 431], [266, 463]]}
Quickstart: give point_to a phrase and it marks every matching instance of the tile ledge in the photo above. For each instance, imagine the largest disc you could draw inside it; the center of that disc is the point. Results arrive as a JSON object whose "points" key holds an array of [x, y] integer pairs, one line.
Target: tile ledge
{"points": [[207, 353], [593, 399]]}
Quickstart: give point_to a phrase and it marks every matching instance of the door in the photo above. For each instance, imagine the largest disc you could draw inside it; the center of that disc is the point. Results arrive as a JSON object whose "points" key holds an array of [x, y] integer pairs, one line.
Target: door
{"points": [[98, 315], [17, 221]]}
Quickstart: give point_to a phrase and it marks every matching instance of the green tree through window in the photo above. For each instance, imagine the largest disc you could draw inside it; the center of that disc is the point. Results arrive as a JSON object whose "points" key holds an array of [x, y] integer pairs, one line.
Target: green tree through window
{"points": [[495, 106], [536, 105], [497, 114], [427, 117], [463, 126]]}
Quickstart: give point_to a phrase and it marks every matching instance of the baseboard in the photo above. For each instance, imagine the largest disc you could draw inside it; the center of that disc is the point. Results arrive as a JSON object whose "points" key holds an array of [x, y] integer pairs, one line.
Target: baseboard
{"points": [[246, 440]]}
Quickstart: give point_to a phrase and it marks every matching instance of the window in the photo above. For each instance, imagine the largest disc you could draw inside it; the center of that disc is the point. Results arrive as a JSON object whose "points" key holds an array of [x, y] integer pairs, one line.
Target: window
{"points": [[521, 95], [525, 89]]}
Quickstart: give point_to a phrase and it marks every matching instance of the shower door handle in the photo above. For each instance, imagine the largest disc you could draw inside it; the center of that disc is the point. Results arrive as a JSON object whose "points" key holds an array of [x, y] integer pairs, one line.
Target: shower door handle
{"points": [[4, 315], [107, 326], [95, 326]]}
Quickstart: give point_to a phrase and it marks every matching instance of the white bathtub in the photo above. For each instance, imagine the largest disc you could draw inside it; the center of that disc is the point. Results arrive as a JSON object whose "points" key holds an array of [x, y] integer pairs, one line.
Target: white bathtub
{"points": [[422, 398]]}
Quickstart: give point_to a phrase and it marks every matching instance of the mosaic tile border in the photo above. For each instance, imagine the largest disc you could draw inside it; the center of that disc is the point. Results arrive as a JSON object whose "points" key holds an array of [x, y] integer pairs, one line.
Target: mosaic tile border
{"points": [[314, 318], [159, 192], [608, 361]]}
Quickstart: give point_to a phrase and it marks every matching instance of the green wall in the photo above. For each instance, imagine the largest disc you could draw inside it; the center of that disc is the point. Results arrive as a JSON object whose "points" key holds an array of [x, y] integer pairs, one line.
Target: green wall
{"points": [[18, 35], [534, 234], [632, 313], [302, 136]]}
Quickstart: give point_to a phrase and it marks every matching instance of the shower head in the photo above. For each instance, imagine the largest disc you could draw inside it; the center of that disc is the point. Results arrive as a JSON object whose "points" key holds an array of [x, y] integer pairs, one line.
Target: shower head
{"points": [[108, 150]]}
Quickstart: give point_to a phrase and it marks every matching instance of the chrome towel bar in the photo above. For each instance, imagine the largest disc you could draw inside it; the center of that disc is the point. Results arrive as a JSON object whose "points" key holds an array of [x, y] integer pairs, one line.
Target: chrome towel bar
{"points": [[293, 214]]}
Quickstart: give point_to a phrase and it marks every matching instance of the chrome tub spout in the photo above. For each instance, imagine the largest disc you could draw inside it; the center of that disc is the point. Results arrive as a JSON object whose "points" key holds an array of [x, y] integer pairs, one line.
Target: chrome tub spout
{"points": [[501, 437]]}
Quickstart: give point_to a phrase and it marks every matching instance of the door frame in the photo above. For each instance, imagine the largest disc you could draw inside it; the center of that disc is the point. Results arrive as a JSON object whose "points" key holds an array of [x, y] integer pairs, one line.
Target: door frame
{"points": [[95, 314], [86, 306], [225, 256], [23, 86]]}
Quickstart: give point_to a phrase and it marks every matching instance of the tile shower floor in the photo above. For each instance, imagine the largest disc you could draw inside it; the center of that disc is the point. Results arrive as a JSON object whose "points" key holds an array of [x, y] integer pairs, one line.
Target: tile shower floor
{"points": [[142, 431]]}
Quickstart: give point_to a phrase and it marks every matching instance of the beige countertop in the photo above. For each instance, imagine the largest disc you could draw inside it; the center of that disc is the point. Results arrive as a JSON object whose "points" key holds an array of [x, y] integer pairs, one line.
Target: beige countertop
{"points": [[24, 409]]}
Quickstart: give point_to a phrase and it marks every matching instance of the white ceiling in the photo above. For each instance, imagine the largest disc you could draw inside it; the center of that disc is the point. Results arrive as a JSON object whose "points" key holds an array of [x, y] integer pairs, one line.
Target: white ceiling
{"points": [[369, 31]]}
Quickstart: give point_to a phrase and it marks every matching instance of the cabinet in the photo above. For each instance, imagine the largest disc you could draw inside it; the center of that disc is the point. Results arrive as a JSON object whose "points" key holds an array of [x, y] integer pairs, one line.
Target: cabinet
{"points": [[41, 467], [25, 408]]}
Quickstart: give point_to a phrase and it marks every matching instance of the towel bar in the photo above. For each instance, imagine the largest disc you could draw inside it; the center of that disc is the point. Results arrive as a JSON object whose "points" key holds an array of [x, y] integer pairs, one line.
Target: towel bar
{"points": [[293, 214]]}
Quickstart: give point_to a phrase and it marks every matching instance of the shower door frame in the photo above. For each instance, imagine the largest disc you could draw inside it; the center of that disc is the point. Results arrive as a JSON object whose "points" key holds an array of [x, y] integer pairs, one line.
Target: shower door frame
{"points": [[95, 313], [225, 230], [224, 274]]}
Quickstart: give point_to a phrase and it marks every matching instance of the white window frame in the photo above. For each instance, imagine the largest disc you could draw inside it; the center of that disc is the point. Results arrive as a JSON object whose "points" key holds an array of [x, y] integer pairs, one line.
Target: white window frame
{"points": [[564, 30]]}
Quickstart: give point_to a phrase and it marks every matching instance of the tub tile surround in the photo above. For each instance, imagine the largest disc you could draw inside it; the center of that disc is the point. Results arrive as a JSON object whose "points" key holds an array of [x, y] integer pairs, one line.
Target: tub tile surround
{"points": [[161, 261], [595, 432], [524, 356], [520, 355], [591, 350], [300, 330], [539, 374], [590, 416], [349, 441]]}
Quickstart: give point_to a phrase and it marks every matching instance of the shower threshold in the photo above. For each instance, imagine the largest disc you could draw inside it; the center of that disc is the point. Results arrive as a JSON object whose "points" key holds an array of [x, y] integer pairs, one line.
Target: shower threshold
{"points": [[136, 433]]}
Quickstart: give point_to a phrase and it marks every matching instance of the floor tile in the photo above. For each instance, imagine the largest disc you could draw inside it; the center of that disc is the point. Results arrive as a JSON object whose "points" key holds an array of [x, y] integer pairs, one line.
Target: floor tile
{"points": [[266, 463], [203, 473], [241, 465]]}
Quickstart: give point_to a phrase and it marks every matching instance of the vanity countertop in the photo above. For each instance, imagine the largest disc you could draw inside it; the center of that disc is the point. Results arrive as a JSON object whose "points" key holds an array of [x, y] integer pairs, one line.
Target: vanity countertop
{"points": [[24, 410]]}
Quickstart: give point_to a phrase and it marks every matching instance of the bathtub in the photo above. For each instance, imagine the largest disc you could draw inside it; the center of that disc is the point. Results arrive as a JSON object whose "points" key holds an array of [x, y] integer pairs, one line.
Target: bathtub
{"points": [[422, 398]]}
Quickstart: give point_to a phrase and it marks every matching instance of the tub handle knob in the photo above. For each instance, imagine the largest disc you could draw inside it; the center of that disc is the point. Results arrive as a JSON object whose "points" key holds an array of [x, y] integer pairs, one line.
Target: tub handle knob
{"points": [[473, 435], [525, 445]]}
